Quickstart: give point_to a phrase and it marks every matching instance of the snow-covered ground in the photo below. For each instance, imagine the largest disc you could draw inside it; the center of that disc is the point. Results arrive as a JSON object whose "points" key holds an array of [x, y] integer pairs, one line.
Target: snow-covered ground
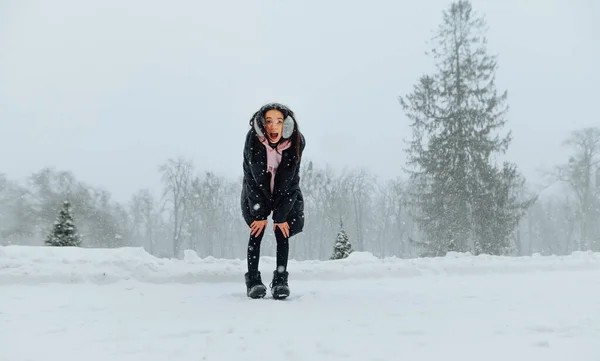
{"points": [[124, 305]]}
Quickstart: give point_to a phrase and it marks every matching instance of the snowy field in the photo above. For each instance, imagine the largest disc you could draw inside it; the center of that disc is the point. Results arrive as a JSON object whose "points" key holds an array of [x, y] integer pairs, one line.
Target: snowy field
{"points": [[123, 304]]}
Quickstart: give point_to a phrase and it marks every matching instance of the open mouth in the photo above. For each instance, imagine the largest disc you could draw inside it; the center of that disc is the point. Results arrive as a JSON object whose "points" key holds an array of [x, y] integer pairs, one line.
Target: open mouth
{"points": [[273, 135]]}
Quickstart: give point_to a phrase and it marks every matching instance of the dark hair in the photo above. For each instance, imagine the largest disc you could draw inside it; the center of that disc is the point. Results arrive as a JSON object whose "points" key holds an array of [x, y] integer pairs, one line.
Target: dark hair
{"points": [[296, 136]]}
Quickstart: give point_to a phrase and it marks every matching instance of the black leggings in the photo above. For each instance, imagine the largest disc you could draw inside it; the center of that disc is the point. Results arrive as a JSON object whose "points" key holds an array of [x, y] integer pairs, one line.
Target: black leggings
{"points": [[283, 249]]}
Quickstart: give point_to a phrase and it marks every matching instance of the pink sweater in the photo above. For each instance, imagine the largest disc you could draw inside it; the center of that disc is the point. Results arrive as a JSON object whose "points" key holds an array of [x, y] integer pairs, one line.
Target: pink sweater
{"points": [[274, 157]]}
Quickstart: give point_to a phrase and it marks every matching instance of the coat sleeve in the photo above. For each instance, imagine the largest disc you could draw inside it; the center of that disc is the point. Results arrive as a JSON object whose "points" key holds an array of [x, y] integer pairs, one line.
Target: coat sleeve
{"points": [[285, 203], [257, 201]]}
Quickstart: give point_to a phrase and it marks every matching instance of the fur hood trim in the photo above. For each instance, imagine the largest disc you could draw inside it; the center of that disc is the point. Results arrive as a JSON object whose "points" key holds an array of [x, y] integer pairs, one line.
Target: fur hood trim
{"points": [[288, 124]]}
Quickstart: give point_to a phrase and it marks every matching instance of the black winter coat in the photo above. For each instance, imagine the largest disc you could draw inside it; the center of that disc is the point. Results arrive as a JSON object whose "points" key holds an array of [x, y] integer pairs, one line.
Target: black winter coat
{"points": [[286, 202]]}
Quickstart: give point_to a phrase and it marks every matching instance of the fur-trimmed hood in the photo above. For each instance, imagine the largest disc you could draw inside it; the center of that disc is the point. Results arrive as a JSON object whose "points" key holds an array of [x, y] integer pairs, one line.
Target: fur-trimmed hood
{"points": [[289, 123]]}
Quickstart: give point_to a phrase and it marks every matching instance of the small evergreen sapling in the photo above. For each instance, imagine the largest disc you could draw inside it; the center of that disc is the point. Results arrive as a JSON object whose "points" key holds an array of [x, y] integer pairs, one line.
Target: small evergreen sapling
{"points": [[64, 233], [342, 248]]}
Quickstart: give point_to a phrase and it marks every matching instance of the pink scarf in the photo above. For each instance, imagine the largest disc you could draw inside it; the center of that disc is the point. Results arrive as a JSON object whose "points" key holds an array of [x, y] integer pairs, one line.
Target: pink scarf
{"points": [[274, 157]]}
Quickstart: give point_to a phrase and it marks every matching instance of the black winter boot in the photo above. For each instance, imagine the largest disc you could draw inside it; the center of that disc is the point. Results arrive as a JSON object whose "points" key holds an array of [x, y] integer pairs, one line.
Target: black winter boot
{"points": [[254, 286], [279, 286]]}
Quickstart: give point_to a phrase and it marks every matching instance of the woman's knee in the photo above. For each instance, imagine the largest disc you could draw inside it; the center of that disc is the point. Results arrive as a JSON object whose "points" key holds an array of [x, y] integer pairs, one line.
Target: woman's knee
{"points": [[279, 237]]}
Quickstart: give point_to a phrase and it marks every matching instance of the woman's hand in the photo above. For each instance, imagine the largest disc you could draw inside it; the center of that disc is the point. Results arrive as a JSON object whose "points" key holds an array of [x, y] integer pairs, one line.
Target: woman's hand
{"points": [[257, 226], [285, 228]]}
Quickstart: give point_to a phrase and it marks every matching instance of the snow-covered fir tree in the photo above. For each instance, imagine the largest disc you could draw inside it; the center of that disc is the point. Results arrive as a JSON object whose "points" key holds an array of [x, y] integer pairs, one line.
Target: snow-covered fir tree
{"points": [[463, 201], [64, 233], [342, 247]]}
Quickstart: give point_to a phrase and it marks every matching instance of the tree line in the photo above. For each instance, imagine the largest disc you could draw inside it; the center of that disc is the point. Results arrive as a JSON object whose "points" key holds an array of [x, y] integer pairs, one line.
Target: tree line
{"points": [[456, 196]]}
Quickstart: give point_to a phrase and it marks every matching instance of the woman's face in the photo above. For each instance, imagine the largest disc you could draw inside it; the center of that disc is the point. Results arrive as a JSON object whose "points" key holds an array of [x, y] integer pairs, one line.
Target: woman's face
{"points": [[274, 125]]}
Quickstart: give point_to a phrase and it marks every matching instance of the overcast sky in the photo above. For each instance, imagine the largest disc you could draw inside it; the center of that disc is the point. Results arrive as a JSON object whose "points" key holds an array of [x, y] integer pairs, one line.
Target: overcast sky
{"points": [[112, 88]]}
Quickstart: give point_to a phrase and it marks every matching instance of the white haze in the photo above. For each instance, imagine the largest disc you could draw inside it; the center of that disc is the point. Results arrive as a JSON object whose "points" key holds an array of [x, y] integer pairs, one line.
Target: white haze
{"points": [[108, 91]]}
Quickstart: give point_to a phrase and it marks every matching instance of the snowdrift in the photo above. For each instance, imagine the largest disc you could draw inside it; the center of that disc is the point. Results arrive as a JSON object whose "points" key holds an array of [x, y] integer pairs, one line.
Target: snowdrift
{"points": [[34, 265]]}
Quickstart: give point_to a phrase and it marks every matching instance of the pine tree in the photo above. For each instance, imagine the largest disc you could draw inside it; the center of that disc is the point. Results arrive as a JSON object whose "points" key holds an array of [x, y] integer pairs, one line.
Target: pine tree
{"points": [[342, 248], [463, 201], [64, 232]]}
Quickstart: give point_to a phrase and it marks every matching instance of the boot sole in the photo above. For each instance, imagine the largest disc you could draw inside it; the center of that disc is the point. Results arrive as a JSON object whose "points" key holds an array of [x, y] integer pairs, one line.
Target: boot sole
{"points": [[280, 296]]}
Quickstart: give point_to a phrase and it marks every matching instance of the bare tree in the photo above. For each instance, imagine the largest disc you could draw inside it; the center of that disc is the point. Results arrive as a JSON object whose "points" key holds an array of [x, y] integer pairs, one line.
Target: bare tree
{"points": [[360, 186], [146, 219], [16, 214], [177, 176], [581, 173], [207, 206]]}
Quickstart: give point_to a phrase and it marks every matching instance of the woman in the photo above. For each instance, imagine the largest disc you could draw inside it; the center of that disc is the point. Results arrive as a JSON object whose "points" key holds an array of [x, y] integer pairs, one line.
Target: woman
{"points": [[271, 185]]}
